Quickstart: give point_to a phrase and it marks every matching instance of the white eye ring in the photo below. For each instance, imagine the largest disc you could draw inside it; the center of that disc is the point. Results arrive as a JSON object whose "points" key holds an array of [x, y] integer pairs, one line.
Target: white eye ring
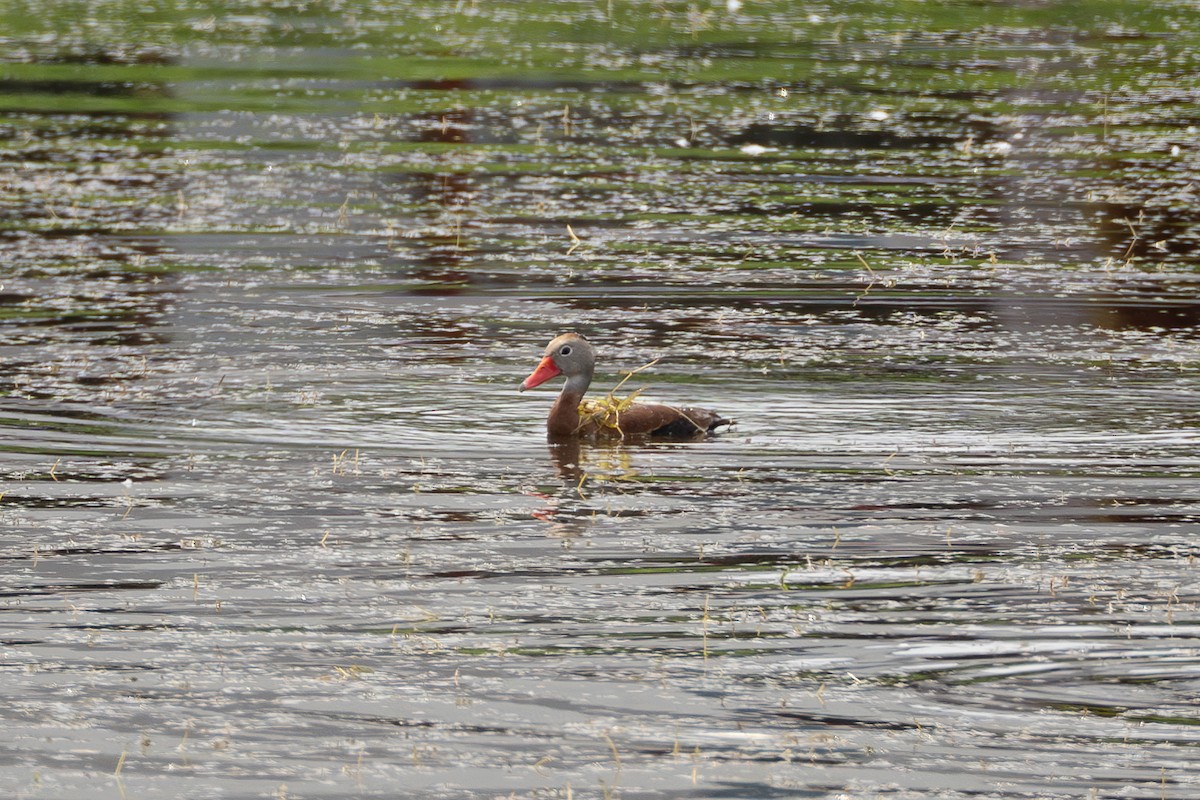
{"points": [[565, 351]]}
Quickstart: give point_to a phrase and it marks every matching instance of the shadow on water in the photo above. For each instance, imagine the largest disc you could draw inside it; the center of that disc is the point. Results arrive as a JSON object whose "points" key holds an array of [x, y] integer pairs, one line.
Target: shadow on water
{"points": [[276, 524]]}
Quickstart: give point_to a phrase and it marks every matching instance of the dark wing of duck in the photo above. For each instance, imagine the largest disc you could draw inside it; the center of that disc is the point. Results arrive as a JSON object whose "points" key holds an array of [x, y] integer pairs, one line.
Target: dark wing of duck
{"points": [[654, 419]]}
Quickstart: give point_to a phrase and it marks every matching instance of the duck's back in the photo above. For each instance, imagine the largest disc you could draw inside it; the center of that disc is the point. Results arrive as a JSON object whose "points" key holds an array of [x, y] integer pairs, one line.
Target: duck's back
{"points": [[656, 419]]}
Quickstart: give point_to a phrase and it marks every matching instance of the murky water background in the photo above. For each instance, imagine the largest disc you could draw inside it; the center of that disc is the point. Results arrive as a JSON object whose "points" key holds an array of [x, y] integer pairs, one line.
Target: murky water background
{"points": [[277, 524]]}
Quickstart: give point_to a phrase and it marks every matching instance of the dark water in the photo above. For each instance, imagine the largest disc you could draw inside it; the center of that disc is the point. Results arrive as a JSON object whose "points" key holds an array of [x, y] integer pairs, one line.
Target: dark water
{"points": [[276, 522]]}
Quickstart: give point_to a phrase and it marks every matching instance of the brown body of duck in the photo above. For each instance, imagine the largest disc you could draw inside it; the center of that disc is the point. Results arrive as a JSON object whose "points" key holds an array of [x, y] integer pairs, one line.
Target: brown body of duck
{"points": [[573, 357]]}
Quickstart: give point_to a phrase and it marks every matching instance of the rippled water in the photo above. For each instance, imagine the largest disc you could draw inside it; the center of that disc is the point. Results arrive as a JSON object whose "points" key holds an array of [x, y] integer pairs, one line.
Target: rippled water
{"points": [[278, 524]]}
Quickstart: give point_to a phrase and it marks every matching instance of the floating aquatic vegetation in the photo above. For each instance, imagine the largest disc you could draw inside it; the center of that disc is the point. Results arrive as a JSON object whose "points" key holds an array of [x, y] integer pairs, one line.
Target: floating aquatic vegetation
{"points": [[605, 413]]}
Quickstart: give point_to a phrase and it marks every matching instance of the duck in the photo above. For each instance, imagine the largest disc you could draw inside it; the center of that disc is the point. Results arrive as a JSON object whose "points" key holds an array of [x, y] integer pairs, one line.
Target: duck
{"points": [[573, 357]]}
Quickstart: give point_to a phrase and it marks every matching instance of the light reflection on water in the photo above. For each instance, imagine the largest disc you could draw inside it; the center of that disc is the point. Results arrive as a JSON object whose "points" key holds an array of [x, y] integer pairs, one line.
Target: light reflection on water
{"points": [[277, 522]]}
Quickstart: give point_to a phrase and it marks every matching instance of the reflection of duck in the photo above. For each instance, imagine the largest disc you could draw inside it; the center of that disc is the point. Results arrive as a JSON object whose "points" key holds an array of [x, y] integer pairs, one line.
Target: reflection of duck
{"points": [[610, 461], [565, 455], [572, 356], [584, 469]]}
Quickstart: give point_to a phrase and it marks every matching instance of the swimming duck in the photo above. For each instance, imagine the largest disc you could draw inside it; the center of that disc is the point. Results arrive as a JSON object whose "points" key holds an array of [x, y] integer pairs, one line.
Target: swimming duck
{"points": [[573, 357]]}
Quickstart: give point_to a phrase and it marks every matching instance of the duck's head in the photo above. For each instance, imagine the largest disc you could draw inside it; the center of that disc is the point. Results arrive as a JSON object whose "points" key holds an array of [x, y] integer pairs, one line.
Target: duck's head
{"points": [[570, 355]]}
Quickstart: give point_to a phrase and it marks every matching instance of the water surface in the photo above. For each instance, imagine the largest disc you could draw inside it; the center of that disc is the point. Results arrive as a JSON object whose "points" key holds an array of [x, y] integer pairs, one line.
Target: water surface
{"points": [[277, 523]]}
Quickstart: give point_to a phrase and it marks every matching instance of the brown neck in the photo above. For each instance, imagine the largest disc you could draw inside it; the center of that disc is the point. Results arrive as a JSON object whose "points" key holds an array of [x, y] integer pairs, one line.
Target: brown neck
{"points": [[564, 416]]}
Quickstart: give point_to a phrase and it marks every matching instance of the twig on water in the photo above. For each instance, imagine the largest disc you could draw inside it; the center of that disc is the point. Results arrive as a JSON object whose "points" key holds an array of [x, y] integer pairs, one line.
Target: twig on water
{"points": [[870, 283], [616, 756]]}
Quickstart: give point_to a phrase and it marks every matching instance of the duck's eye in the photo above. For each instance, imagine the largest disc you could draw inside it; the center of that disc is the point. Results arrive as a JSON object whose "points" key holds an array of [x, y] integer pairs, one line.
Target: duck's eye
{"points": [[565, 351]]}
